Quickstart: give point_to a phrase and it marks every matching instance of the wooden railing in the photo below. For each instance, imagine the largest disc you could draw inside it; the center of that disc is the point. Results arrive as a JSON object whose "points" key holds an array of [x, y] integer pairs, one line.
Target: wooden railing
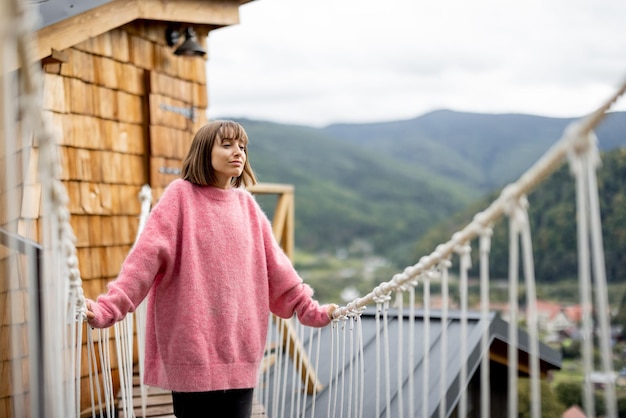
{"points": [[283, 220], [283, 228]]}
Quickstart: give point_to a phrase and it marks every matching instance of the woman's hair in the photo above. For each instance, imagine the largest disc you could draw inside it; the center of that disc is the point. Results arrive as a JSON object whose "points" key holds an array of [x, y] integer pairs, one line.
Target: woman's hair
{"points": [[197, 167]]}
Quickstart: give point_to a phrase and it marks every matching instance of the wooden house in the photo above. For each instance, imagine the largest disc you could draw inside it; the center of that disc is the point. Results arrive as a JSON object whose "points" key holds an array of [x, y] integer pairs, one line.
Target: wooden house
{"points": [[126, 108]]}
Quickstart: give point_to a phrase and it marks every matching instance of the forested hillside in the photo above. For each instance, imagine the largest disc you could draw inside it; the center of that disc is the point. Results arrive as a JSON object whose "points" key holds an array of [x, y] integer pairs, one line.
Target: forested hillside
{"points": [[389, 183], [344, 193], [480, 151], [552, 214]]}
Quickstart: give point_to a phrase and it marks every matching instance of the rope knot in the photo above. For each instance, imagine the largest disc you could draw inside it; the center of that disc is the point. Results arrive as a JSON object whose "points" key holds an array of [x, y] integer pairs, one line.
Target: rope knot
{"points": [[380, 295], [353, 310], [464, 251], [486, 233], [433, 274]]}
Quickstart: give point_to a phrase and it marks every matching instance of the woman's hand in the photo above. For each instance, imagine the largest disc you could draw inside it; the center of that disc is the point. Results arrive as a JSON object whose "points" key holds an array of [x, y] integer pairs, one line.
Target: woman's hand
{"points": [[330, 309], [90, 314]]}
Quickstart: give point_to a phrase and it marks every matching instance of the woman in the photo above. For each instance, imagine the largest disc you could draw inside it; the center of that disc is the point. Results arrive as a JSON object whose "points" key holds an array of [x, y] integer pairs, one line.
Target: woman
{"points": [[212, 271]]}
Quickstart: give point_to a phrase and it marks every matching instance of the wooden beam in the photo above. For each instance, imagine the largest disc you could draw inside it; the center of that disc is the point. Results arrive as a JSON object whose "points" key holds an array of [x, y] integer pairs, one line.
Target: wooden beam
{"points": [[283, 222], [521, 367], [279, 223], [298, 355], [109, 16], [76, 29], [219, 13], [283, 229], [286, 238], [55, 57], [271, 188]]}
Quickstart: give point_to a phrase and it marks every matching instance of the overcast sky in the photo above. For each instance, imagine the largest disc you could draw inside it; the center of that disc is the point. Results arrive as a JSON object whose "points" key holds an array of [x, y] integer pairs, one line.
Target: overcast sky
{"points": [[316, 62]]}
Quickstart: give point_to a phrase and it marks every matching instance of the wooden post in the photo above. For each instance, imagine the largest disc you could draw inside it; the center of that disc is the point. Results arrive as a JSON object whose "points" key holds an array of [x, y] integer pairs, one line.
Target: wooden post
{"points": [[283, 229]]}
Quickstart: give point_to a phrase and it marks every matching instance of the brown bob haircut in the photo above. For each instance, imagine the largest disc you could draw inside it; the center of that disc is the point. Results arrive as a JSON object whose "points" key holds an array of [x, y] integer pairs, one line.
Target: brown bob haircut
{"points": [[197, 167]]}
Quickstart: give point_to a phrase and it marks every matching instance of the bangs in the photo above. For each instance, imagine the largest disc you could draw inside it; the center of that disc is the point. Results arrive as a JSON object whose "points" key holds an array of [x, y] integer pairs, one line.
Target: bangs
{"points": [[233, 130]]}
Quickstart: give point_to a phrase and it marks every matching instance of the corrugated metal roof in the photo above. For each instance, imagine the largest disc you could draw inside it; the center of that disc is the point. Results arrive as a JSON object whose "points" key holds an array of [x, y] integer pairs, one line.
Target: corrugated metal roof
{"points": [[498, 330], [53, 11]]}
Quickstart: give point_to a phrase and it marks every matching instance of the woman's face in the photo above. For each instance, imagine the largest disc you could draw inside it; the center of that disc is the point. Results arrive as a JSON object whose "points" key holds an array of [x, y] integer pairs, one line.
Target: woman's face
{"points": [[228, 157]]}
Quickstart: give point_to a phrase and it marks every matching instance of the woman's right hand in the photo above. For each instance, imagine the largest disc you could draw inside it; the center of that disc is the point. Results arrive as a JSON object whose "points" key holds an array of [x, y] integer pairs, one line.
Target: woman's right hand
{"points": [[89, 313]]}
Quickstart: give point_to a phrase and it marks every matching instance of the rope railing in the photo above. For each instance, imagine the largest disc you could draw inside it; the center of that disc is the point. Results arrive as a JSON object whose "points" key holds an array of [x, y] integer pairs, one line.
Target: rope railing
{"points": [[576, 138]]}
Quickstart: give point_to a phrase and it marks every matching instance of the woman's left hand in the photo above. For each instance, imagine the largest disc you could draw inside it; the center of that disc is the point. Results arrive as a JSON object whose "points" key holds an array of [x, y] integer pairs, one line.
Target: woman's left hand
{"points": [[330, 309]]}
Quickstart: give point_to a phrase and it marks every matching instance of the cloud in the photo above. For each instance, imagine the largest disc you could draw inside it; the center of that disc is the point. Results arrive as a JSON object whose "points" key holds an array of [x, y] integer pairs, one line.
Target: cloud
{"points": [[316, 62]]}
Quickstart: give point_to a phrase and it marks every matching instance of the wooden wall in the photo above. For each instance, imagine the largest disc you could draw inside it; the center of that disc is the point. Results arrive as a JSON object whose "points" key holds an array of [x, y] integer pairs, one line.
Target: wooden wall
{"points": [[116, 136], [19, 213], [113, 99]]}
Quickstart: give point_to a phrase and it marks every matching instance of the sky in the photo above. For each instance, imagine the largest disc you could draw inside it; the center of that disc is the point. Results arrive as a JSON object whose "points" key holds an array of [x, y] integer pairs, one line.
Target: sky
{"points": [[318, 62]]}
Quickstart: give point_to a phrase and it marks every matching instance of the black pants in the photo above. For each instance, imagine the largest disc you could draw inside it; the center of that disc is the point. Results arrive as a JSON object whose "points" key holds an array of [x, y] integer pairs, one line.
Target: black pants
{"points": [[234, 403]]}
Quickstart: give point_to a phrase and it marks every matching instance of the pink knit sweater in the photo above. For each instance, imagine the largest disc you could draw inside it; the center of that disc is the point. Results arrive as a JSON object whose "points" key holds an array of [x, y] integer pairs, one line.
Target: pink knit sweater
{"points": [[212, 271]]}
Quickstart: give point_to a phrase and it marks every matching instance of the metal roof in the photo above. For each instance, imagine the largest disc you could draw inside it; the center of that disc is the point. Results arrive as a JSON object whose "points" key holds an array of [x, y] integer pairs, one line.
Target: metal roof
{"points": [[498, 329], [53, 11]]}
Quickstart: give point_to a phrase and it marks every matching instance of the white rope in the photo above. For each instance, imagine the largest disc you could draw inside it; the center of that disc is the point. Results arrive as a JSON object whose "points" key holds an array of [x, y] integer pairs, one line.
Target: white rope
{"points": [[513, 310], [382, 303], [124, 350], [465, 263], [584, 280], [351, 368], [378, 351], [356, 366], [317, 358], [411, 344], [426, 345], [308, 371], [583, 163], [343, 368], [362, 369], [485, 389], [444, 266], [599, 267], [145, 198], [78, 340], [105, 367], [94, 380], [400, 344], [531, 309], [282, 346], [332, 392], [294, 389], [298, 385], [285, 365], [337, 366]]}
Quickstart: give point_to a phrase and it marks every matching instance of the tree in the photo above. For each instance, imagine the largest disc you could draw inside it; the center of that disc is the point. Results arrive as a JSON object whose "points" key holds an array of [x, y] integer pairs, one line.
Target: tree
{"points": [[571, 349], [569, 393], [550, 405]]}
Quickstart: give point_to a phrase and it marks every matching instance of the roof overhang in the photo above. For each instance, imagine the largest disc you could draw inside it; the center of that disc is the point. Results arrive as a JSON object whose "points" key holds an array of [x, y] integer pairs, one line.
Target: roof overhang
{"points": [[549, 359], [63, 27]]}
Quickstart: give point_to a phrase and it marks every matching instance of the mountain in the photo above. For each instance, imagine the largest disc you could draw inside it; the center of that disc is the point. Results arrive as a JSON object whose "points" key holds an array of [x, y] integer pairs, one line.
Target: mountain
{"points": [[388, 183], [481, 151], [345, 193]]}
